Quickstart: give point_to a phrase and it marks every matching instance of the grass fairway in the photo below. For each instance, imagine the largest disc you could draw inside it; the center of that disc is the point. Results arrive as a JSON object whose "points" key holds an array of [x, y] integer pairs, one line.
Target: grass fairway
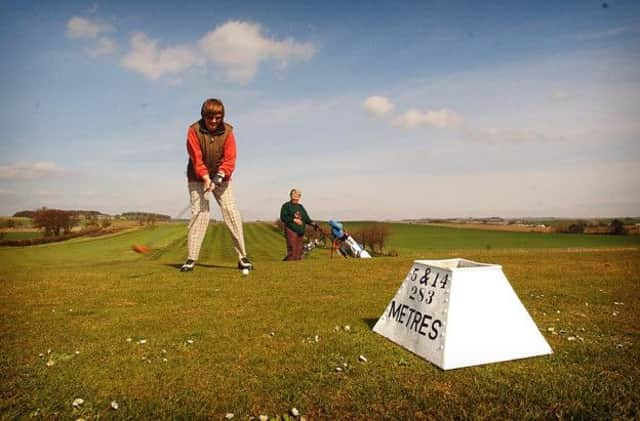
{"points": [[91, 319]]}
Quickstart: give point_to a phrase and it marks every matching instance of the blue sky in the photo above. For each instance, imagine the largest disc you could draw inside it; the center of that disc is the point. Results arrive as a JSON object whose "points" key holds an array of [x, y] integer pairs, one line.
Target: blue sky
{"points": [[375, 110]]}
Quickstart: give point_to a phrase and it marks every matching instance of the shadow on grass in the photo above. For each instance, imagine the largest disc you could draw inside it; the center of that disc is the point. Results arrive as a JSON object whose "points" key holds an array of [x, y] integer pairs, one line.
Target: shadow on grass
{"points": [[370, 322], [203, 265]]}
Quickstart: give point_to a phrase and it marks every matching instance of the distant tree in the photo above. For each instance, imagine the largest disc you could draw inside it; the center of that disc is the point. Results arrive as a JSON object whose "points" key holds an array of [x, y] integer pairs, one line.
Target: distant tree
{"points": [[91, 221], [24, 214], [105, 223], [577, 228], [54, 221], [616, 227]]}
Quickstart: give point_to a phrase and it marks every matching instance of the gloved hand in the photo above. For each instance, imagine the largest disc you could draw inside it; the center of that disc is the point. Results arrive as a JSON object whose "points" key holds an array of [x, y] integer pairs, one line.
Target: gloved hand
{"points": [[218, 178]]}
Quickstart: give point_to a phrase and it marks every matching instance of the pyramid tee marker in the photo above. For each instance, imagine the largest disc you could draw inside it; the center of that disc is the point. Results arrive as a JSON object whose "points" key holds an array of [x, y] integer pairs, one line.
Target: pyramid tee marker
{"points": [[458, 313]]}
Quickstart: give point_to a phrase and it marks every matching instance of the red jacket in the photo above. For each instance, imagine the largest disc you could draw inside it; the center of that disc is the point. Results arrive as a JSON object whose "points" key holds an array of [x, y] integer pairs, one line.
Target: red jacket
{"points": [[228, 164]]}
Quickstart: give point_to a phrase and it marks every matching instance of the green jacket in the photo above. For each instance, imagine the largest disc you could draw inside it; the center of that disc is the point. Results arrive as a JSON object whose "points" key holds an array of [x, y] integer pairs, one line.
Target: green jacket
{"points": [[289, 211]]}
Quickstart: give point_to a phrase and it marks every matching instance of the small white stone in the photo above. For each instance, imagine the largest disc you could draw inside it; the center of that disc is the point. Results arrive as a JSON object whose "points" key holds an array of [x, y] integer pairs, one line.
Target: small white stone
{"points": [[571, 338], [50, 363], [338, 369], [49, 351], [190, 341], [142, 341], [273, 334], [347, 328], [337, 328], [263, 418], [129, 339], [164, 351], [344, 365], [77, 402], [362, 358], [618, 303], [165, 360], [114, 405], [614, 314], [620, 346], [295, 412], [41, 355], [77, 352], [229, 416], [551, 329], [317, 338]]}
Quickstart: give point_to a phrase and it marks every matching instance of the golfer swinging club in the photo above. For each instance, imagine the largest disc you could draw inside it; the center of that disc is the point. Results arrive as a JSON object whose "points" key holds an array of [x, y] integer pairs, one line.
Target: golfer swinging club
{"points": [[212, 159]]}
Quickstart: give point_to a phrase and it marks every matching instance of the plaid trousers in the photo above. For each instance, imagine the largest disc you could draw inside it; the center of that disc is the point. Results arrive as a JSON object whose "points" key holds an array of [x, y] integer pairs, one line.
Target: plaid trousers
{"points": [[223, 193]]}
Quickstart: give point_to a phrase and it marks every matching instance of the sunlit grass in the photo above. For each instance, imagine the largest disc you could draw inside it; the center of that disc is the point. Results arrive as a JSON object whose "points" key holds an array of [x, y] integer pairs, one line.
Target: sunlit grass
{"points": [[216, 342]]}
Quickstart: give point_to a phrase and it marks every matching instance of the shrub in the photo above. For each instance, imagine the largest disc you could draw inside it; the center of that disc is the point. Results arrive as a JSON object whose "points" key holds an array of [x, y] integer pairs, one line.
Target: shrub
{"points": [[374, 236]]}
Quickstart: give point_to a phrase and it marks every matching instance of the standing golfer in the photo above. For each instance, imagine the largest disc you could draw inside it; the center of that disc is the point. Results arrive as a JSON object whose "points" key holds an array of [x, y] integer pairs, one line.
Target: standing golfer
{"points": [[212, 159], [295, 217]]}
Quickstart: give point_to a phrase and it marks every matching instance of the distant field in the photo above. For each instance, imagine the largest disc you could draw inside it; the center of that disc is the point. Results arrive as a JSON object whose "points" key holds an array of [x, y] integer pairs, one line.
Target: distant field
{"points": [[90, 318], [19, 235], [428, 237], [14, 222]]}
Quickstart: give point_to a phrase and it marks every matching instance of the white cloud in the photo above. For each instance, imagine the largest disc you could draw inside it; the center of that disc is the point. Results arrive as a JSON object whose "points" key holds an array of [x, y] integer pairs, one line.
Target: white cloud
{"points": [[508, 135], [153, 62], [441, 119], [29, 170], [377, 105], [79, 27], [104, 46], [240, 47]]}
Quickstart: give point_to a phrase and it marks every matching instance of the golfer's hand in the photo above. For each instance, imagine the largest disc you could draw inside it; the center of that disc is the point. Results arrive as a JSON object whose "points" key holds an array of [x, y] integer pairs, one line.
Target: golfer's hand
{"points": [[297, 221], [208, 186]]}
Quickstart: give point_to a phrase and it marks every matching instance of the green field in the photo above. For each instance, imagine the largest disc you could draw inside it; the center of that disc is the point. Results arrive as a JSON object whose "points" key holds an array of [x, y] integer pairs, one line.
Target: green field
{"points": [[91, 319], [20, 235]]}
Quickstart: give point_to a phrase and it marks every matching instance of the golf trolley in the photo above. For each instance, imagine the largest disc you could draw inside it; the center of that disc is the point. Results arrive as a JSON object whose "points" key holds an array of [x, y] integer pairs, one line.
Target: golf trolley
{"points": [[345, 244]]}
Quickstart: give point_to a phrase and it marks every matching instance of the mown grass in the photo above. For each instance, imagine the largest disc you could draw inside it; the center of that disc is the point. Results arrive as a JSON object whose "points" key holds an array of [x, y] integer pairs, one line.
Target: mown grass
{"points": [[254, 349]]}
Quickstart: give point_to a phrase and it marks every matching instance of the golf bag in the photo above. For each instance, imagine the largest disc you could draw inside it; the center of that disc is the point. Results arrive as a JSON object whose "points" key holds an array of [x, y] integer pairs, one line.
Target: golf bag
{"points": [[345, 244]]}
